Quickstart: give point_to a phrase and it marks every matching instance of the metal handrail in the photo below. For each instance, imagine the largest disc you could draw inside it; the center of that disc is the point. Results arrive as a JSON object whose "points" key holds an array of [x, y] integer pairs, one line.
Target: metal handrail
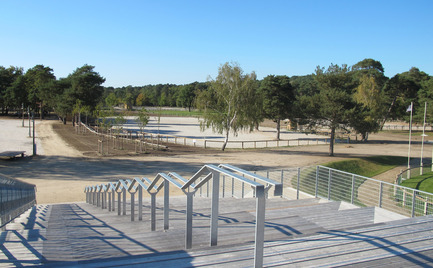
{"points": [[189, 187], [15, 198]]}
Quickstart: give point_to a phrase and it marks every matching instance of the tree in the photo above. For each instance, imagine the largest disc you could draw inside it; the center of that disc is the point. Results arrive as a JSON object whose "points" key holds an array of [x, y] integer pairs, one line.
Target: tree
{"points": [[370, 96], [86, 85], [186, 96], [333, 105], [226, 104], [278, 97], [142, 119], [65, 98], [140, 100], [40, 83], [7, 77], [111, 100]]}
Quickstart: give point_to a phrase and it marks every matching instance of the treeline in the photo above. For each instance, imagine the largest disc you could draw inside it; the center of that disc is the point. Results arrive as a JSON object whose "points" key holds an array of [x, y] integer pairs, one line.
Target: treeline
{"points": [[39, 90], [358, 98], [377, 97], [169, 95]]}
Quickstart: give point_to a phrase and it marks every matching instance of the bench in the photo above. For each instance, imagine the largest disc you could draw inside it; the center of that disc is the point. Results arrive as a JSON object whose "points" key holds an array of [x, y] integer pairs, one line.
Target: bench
{"points": [[12, 154]]}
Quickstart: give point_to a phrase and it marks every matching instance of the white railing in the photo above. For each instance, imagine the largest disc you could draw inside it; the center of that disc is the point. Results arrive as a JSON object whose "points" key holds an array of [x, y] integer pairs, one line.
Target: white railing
{"points": [[155, 140], [208, 175]]}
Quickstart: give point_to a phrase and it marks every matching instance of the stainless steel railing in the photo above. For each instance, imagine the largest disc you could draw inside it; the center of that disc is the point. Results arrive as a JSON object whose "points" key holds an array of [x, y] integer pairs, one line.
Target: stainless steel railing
{"points": [[208, 174], [337, 185], [15, 198]]}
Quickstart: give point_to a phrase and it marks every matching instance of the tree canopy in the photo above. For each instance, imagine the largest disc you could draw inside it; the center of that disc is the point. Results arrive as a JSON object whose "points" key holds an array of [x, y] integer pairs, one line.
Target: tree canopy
{"points": [[278, 97], [227, 102]]}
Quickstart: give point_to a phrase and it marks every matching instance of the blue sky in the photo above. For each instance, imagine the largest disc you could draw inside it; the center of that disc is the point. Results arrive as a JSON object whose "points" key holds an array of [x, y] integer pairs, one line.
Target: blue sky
{"points": [[132, 42]]}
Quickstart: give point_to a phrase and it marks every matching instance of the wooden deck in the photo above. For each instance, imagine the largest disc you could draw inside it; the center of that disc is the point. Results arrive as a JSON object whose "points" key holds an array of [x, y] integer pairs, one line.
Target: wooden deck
{"points": [[298, 232]]}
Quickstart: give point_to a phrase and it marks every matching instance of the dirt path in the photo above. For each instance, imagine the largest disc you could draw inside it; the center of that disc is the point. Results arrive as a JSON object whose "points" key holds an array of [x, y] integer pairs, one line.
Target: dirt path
{"points": [[62, 172]]}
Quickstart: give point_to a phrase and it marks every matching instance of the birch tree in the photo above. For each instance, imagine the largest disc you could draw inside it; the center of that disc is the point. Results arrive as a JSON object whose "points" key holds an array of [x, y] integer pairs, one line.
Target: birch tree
{"points": [[227, 104]]}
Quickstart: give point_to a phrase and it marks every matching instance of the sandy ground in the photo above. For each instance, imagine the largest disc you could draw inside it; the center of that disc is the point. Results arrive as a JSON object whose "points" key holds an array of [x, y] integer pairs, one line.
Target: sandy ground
{"points": [[60, 172]]}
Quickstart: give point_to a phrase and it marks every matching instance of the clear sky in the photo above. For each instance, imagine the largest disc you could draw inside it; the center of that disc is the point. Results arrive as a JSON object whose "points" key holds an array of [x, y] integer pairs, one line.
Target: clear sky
{"points": [[138, 42]]}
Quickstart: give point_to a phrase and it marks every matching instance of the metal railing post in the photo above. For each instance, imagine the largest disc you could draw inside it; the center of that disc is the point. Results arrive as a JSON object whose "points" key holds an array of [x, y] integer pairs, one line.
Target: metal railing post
{"points": [[260, 226], [298, 183], [214, 209], [233, 187], [124, 201], [352, 192], [316, 190], [109, 201], [189, 209], [140, 203], [413, 203], [132, 206], [153, 211], [119, 203], [380, 194], [329, 184], [166, 204], [113, 201], [104, 200]]}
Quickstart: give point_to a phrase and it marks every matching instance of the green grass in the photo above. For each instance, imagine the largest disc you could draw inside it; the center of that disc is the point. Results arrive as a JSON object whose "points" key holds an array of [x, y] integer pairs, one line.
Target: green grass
{"points": [[422, 182], [369, 166]]}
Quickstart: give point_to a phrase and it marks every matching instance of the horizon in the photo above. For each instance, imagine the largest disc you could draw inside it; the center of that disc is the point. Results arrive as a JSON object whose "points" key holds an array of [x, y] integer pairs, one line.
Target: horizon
{"points": [[140, 43]]}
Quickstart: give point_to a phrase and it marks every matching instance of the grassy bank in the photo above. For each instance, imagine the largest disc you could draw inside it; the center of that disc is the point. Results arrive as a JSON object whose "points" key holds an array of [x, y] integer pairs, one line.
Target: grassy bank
{"points": [[423, 182], [369, 166]]}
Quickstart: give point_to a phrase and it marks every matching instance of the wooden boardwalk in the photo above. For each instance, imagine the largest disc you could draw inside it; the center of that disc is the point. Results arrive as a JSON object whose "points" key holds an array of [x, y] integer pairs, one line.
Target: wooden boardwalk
{"points": [[298, 232]]}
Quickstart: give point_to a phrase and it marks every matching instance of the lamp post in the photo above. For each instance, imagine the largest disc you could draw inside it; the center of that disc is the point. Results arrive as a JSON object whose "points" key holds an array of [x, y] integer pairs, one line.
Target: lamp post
{"points": [[34, 143], [410, 109], [423, 135]]}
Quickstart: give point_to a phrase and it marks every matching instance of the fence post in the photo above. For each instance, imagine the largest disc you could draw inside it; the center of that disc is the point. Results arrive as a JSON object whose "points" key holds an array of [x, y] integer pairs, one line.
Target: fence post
{"points": [[352, 194], [297, 187], [426, 206], [317, 182], [380, 194], [413, 203], [329, 184]]}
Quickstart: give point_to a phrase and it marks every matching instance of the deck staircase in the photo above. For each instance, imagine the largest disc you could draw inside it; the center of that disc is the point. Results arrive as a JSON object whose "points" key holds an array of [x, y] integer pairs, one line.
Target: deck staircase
{"points": [[303, 233]]}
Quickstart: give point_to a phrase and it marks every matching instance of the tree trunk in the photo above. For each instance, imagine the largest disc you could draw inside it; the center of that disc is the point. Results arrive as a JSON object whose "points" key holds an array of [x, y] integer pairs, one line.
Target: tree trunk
{"points": [[389, 111], [331, 142], [278, 128], [226, 140]]}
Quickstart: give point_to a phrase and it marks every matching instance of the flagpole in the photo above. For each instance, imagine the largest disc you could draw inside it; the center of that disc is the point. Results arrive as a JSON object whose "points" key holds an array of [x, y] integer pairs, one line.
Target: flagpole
{"points": [[410, 137], [423, 135]]}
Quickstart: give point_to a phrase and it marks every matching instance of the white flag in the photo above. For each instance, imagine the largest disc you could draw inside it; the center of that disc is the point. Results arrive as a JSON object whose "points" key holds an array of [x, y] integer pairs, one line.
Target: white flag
{"points": [[409, 109]]}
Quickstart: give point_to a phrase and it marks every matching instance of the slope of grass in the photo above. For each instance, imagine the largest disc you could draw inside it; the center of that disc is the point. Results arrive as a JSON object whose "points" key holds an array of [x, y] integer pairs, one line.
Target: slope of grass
{"points": [[423, 182], [369, 166]]}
